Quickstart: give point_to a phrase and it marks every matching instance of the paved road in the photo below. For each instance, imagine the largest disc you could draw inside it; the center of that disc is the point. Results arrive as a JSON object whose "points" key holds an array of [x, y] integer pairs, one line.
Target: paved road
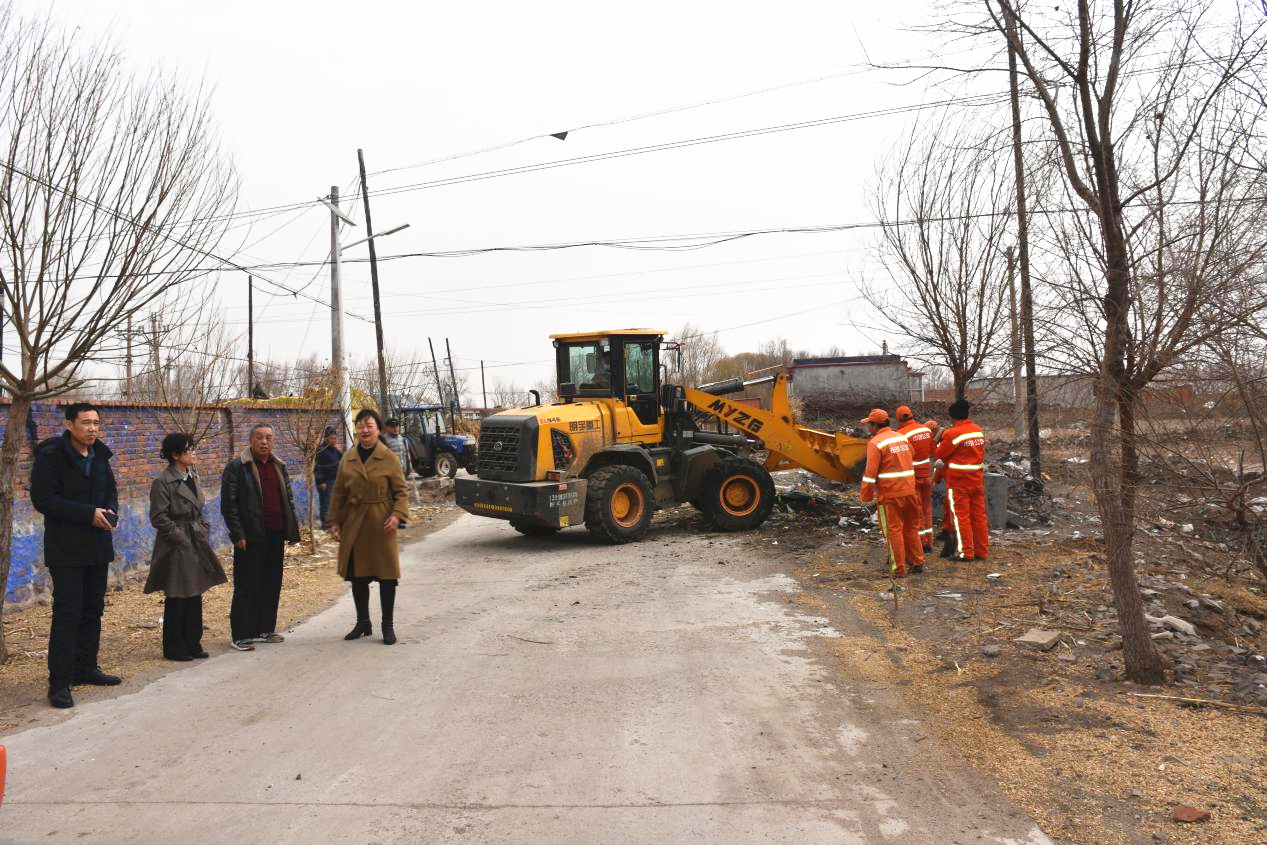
{"points": [[543, 692]]}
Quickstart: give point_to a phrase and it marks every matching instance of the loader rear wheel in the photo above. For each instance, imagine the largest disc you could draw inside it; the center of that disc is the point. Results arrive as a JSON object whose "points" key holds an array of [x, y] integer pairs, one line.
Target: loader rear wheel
{"points": [[531, 530], [619, 504], [737, 494]]}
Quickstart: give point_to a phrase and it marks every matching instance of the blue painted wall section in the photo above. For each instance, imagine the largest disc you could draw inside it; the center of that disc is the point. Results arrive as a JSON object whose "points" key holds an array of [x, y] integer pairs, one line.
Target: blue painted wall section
{"points": [[134, 433]]}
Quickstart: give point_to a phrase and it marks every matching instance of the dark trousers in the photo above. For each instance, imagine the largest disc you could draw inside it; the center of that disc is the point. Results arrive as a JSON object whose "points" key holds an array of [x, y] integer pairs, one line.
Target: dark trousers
{"points": [[323, 500], [257, 586], [182, 626], [79, 599]]}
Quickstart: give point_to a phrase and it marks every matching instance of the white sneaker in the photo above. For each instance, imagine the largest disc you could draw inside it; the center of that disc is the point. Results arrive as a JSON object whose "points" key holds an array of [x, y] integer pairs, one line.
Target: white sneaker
{"points": [[242, 645]]}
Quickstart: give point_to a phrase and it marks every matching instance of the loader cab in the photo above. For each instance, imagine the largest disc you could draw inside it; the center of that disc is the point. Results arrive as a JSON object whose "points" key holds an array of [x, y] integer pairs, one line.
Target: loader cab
{"points": [[618, 365]]}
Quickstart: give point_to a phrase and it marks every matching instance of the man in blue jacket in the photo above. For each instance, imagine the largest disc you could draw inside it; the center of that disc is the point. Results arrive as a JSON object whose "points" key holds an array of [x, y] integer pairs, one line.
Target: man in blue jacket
{"points": [[73, 486], [326, 470]]}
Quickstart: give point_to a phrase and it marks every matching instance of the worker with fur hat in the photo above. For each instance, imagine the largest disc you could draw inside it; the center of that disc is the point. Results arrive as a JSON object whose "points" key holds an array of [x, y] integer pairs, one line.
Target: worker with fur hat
{"points": [[962, 448]]}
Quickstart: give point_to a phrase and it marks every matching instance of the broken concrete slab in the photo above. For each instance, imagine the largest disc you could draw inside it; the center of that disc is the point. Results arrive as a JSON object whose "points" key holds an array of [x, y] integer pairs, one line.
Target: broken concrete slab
{"points": [[1039, 638], [1174, 623]]}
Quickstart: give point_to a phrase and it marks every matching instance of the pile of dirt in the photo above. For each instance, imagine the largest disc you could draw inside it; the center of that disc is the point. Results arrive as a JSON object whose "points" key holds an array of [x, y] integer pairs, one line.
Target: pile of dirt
{"points": [[131, 630]]}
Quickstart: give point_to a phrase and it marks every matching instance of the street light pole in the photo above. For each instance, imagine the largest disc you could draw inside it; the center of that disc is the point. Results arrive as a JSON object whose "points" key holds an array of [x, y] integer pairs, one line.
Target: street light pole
{"points": [[338, 354]]}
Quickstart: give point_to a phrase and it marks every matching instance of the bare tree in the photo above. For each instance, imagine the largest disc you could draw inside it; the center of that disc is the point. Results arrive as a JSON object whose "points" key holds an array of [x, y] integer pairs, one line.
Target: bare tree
{"points": [[944, 199], [112, 192], [696, 360], [1154, 153], [190, 367], [304, 428], [506, 394]]}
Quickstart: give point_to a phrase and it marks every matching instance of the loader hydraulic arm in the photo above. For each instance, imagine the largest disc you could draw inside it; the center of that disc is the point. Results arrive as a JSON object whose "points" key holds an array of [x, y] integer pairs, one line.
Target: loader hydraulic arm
{"points": [[836, 456]]}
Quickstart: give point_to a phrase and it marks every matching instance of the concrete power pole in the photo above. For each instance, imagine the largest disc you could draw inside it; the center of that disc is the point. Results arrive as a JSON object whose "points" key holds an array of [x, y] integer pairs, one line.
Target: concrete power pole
{"points": [[1027, 299], [338, 355], [250, 337], [1016, 346], [457, 403], [378, 313]]}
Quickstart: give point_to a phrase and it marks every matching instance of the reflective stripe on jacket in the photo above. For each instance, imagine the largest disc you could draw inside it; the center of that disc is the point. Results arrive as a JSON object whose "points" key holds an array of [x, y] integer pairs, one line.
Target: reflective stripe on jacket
{"points": [[921, 440], [962, 448], [890, 473]]}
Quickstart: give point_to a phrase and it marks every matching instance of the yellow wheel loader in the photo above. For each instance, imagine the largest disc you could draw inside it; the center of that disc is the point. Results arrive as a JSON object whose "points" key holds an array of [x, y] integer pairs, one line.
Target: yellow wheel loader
{"points": [[619, 444]]}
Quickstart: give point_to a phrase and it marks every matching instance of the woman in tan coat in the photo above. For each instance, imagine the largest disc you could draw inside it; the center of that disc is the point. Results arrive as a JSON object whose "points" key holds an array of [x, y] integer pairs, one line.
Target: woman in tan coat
{"points": [[370, 501], [183, 566]]}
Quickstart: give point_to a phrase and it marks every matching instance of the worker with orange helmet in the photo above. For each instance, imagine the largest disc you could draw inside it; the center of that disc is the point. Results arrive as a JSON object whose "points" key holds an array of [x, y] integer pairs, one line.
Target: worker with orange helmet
{"points": [[890, 480], [920, 436], [962, 448]]}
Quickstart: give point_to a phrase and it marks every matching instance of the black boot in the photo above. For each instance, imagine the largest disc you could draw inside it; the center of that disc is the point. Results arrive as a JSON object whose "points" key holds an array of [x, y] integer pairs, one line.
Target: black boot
{"points": [[387, 596], [361, 598], [362, 629], [948, 548]]}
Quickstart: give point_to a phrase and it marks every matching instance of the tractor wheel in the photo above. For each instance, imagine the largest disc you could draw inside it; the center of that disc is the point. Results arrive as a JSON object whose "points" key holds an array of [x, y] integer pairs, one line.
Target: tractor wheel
{"points": [[531, 530], [619, 504], [737, 494], [446, 465]]}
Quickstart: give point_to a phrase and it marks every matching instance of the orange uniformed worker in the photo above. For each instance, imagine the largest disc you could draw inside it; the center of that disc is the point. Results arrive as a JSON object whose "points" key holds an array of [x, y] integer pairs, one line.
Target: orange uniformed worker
{"points": [[920, 436], [962, 447], [890, 480]]}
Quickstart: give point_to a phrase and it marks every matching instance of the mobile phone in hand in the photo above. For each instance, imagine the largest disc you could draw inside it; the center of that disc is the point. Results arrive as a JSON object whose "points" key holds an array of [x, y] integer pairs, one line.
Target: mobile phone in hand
{"points": [[112, 518]]}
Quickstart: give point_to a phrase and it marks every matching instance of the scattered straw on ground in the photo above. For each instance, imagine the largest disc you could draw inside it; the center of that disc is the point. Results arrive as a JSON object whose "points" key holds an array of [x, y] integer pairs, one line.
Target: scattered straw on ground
{"points": [[1090, 762]]}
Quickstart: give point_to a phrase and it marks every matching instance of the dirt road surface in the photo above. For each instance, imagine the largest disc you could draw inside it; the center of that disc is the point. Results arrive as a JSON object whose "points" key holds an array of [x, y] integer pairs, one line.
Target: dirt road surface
{"points": [[551, 690]]}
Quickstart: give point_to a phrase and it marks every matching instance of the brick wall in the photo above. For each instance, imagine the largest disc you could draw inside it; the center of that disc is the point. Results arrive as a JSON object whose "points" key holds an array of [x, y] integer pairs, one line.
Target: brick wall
{"points": [[134, 433]]}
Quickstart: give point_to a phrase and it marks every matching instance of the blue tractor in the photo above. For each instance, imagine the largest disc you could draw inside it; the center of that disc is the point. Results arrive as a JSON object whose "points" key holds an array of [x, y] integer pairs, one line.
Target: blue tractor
{"points": [[432, 449]]}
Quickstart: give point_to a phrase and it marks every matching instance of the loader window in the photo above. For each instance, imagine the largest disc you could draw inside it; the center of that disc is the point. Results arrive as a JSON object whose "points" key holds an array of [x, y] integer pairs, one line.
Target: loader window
{"points": [[639, 368], [640, 381], [589, 367]]}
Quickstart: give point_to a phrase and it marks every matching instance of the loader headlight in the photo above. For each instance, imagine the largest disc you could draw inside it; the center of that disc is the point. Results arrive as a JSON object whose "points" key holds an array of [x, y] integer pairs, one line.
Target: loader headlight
{"points": [[564, 451]]}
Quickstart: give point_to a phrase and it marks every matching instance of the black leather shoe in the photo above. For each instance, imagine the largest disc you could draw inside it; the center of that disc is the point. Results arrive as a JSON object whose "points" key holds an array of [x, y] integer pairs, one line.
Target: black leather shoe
{"points": [[201, 654], [389, 634], [918, 570], [362, 629], [179, 658], [948, 547], [96, 678], [60, 698]]}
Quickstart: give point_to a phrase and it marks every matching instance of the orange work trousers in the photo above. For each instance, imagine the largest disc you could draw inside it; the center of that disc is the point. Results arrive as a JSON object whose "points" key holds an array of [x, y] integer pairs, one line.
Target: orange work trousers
{"points": [[900, 521], [966, 505], [924, 490]]}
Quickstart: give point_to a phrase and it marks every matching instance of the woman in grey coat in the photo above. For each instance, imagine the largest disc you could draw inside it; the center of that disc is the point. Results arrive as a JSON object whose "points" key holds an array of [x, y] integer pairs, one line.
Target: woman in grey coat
{"points": [[184, 566]]}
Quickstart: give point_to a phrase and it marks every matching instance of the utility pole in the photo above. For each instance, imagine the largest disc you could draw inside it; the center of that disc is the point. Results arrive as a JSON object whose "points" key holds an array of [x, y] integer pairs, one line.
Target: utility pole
{"points": [[378, 313], [483, 389], [250, 337], [1016, 346], [453, 379], [127, 385], [338, 356], [436, 369], [1027, 299]]}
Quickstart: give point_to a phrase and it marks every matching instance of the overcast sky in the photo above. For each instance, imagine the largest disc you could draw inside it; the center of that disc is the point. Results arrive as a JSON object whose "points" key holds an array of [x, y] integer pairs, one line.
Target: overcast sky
{"points": [[299, 87]]}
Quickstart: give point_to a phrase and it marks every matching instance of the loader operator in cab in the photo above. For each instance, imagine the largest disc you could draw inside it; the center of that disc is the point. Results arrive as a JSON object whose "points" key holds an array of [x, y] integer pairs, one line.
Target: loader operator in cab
{"points": [[602, 369]]}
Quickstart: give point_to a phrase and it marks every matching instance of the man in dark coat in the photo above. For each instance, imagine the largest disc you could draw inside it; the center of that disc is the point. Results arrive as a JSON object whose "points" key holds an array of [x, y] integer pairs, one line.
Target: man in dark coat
{"points": [[325, 470], [73, 486], [259, 511]]}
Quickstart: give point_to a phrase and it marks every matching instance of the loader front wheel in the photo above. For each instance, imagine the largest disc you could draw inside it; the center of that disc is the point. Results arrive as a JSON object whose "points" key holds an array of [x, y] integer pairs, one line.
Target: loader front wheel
{"points": [[737, 494], [619, 504]]}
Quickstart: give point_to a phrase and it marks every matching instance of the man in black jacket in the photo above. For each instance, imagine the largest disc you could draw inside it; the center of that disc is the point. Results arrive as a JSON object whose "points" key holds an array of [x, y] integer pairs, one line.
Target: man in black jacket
{"points": [[326, 470], [259, 511], [73, 486]]}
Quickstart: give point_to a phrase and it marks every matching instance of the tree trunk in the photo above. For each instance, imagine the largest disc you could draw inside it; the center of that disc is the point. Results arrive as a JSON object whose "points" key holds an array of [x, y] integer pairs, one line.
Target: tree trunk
{"points": [[14, 431], [961, 386], [1114, 472]]}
